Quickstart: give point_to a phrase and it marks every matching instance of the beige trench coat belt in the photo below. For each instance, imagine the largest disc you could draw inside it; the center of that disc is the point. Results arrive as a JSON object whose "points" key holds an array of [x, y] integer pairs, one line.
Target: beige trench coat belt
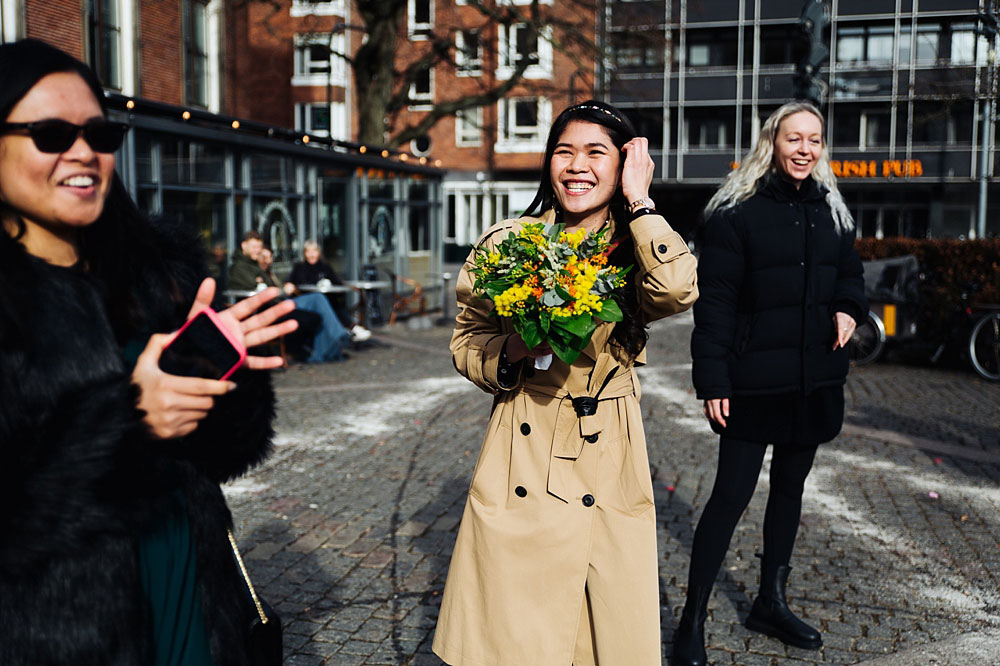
{"points": [[565, 448]]}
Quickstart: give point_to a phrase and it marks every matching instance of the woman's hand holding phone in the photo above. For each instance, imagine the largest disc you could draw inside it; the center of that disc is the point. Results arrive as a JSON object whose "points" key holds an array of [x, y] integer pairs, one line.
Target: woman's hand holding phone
{"points": [[174, 405], [247, 328]]}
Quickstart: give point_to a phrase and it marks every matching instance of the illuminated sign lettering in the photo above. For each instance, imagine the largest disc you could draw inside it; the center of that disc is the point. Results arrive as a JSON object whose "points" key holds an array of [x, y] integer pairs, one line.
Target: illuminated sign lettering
{"points": [[875, 169]]}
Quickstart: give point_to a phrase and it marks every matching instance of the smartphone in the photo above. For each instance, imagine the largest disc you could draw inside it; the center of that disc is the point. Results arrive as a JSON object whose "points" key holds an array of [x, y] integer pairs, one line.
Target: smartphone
{"points": [[203, 347]]}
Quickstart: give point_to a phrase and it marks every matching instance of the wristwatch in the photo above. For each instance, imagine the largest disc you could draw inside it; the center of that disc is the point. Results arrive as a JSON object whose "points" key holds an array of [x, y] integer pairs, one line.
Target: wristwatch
{"points": [[642, 202]]}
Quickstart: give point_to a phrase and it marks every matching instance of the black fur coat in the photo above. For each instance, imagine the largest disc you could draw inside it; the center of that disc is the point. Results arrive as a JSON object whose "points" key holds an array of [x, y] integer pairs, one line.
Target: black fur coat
{"points": [[79, 474]]}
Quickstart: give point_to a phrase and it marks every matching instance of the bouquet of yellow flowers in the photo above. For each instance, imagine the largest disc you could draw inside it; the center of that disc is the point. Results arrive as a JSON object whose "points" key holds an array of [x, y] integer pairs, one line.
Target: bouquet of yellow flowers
{"points": [[552, 284]]}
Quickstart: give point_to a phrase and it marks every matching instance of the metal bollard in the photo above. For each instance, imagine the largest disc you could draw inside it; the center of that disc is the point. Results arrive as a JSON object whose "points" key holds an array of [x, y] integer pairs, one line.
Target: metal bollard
{"points": [[446, 297]]}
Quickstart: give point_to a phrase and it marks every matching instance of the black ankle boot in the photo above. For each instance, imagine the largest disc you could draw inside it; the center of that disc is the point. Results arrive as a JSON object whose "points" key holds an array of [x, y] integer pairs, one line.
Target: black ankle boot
{"points": [[689, 637], [770, 613]]}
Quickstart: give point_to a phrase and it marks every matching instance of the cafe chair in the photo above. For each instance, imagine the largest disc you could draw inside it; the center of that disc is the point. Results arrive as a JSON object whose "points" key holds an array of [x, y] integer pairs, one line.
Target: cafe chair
{"points": [[401, 304]]}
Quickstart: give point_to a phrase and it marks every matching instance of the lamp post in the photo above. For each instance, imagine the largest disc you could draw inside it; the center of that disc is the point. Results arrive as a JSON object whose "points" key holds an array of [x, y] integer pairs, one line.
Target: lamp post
{"points": [[988, 29]]}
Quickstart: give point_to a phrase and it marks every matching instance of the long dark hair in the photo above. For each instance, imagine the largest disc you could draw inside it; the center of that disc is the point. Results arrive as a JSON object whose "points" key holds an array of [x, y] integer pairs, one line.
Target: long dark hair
{"points": [[120, 245], [630, 333]]}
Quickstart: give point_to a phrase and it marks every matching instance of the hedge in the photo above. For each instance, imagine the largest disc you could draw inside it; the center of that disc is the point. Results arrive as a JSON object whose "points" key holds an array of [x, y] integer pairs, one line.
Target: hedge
{"points": [[948, 265]]}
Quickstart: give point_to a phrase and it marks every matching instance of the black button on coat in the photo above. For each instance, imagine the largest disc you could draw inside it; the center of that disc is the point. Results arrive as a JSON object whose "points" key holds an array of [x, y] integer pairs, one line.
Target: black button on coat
{"points": [[770, 286]]}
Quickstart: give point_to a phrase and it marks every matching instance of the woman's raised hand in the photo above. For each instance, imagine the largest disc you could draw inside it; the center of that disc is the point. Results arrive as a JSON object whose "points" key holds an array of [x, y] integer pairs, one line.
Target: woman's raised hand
{"points": [[175, 405], [249, 328], [637, 172]]}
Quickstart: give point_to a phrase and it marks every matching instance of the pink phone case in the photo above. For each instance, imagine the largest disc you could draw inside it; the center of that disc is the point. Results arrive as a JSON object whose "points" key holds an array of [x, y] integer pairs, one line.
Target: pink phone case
{"points": [[211, 314]]}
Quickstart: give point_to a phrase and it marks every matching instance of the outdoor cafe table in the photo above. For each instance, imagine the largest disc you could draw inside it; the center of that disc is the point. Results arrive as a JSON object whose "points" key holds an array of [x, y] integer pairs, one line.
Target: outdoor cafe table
{"points": [[364, 288]]}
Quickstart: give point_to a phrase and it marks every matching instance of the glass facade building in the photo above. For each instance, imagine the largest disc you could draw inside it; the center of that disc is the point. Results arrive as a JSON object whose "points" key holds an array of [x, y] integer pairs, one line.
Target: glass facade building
{"points": [[905, 87]]}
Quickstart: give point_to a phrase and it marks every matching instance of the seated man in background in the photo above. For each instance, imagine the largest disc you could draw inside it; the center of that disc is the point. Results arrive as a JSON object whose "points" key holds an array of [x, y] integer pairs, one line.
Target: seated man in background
{"points": [[311, 271], [321, 338]]}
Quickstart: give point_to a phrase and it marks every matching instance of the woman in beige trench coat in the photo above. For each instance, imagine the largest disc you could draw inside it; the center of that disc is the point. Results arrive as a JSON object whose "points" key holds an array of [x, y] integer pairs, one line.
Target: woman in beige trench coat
{"points": [[555, 562]]}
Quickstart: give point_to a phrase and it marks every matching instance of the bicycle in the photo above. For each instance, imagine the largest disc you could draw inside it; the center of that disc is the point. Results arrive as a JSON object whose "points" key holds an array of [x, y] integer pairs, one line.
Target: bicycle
{"points": [[970, 333]]}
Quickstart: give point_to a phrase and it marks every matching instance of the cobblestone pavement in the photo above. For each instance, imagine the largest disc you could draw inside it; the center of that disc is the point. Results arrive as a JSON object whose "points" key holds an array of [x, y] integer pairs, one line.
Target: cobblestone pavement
{"points": [[349, 527]]}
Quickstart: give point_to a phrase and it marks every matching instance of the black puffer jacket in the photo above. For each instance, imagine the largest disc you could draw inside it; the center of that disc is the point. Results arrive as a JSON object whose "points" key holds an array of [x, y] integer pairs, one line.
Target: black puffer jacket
{"points": [[80, 476], [772, 272]]}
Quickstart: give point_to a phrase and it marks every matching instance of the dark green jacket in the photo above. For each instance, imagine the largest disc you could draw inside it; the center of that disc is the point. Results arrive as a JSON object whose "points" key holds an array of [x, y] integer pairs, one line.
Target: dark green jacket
{"points": [[245, 274]]}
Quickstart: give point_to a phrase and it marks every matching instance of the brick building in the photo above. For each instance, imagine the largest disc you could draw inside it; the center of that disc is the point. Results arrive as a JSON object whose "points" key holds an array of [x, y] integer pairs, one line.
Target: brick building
{"points": [[213, 141], [293, 76]]}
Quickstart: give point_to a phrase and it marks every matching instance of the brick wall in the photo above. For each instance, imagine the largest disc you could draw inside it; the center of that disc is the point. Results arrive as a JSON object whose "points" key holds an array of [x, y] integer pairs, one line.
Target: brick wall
{"points": [[58, 22], [448, 85], [264, 60], [160, 51]]}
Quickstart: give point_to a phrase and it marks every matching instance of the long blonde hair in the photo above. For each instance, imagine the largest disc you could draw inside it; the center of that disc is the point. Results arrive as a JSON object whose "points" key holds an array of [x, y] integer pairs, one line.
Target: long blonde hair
{"points": [[744, 182]]}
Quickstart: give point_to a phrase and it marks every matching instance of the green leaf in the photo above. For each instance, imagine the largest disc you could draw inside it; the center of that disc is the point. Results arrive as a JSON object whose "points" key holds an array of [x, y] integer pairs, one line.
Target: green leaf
{"points": [[563, 294], [545, 319], [610, 311], [530, 332], [566, 353], [555, 230], [581, 325]]}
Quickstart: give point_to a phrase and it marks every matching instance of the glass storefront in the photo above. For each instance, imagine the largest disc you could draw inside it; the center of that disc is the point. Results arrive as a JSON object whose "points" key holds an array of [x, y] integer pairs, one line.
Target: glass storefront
{"points": [[289, 193]]}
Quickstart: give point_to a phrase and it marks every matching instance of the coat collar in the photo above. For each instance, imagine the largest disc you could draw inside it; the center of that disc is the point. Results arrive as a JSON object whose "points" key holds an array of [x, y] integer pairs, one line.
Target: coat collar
{"points": [[782, 190]]}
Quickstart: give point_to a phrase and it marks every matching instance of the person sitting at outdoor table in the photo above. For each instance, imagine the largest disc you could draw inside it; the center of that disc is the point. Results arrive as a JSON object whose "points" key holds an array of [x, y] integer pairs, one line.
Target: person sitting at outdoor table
{"points": [[266, 262], [313, 311], [314, 270]]}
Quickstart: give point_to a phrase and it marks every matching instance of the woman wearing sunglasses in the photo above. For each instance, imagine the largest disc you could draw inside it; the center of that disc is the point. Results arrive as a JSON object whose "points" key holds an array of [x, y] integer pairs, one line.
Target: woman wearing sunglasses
{"points": [[113, 546]]}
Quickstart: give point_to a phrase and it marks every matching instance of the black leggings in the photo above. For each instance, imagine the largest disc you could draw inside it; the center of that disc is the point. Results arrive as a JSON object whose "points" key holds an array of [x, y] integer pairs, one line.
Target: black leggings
{"points": [[735, 480]]}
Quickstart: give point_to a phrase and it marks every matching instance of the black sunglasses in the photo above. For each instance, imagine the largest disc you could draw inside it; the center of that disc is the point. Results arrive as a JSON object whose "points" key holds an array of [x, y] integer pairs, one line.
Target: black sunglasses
{"points": [[57, 136]]}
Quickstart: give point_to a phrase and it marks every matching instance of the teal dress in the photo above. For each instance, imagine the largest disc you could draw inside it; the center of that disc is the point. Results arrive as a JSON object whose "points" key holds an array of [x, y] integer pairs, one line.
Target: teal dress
{"points": [[169, 574]]}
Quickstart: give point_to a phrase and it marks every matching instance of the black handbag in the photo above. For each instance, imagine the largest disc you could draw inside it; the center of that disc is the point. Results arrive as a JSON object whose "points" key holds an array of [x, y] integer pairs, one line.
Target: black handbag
{"points": [[263, 641]]}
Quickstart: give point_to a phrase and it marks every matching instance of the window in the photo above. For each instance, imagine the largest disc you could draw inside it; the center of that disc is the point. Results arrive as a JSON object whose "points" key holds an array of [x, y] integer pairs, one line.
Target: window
{"points": [[320, 119], [469, 127], [517, 43], [780, 45], [710, 128], [523, 122], [942, 123], [317, 7], [318, 60], [872, 44], [648, 122], [468, 53], [421, 18], [846, 128], [104, 36], [712, 48], [963, 45], [874, 129], [194, 25], [422, 88], [635, 51], [421, 146], [928, 42], [419, 227]]}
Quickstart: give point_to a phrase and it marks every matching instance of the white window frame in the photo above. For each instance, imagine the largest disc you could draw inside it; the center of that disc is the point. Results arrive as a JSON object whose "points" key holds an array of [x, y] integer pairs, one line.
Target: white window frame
{"points": [[418, 31], [506, 116], [425, 100], [338, 69], [469, 131], [521, 3], [474, 67], [507, 53], [338, 120], [317, 8], [11, 20]]}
